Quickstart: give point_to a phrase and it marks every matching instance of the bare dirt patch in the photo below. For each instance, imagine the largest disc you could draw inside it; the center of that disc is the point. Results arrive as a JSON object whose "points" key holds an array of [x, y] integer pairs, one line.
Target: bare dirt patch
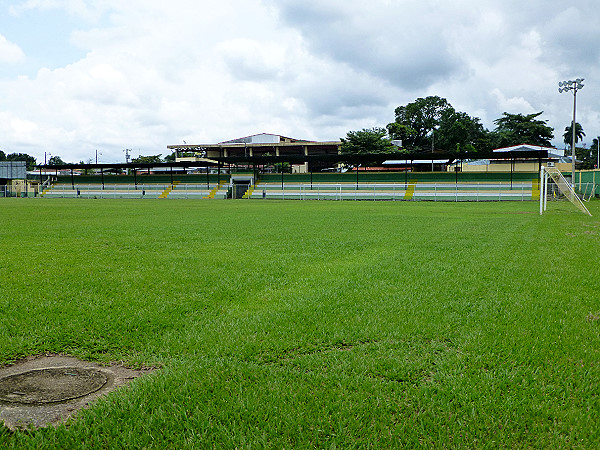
{"points": [[46, 390]]}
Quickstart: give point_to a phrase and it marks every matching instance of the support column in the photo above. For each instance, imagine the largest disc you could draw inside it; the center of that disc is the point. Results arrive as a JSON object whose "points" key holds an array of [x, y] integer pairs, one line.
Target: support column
{"points": [[546, 176], [541, 190]]}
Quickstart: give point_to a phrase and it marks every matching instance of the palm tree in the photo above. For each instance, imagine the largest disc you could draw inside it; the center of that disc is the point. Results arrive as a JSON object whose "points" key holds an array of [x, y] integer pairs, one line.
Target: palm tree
{"points": [[568, 136]]}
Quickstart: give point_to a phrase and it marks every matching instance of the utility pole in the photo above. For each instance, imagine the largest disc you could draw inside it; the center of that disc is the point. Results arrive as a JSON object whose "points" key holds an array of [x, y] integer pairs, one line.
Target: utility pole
{"points": [[127, 156], [573, 86]]}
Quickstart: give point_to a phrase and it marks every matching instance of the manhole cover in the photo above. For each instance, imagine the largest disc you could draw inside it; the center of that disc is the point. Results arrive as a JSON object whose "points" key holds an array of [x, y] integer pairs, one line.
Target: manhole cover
{"points": [[53, 385]]}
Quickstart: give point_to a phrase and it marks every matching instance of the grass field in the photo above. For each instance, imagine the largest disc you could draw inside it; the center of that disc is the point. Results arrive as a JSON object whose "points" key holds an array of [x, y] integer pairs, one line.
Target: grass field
{"points": [[312, 324]]}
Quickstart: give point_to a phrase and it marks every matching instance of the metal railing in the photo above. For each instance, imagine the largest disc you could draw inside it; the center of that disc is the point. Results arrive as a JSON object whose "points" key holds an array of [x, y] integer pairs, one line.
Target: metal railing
{"points": [[424, 191], [477, 192]]}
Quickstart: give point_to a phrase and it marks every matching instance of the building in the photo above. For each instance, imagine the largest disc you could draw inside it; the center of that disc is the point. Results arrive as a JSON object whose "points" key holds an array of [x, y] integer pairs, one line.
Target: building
{"points": [[504, 164], [13, 180], [256, 145]]}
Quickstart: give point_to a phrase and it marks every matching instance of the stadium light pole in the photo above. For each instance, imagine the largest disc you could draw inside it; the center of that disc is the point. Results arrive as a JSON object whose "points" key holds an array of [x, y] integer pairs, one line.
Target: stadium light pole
{"points": [[572, 86]]}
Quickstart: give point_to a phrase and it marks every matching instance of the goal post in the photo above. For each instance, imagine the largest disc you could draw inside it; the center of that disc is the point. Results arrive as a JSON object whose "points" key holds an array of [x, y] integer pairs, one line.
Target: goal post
{"points": [[552, 173]]}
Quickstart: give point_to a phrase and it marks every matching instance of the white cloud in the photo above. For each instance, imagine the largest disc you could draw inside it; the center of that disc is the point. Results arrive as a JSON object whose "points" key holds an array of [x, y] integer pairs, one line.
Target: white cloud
{"points": [[10, 53], [154, 73]]}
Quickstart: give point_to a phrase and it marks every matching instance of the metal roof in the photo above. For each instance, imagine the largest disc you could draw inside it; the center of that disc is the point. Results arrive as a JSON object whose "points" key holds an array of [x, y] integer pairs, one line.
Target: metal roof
{"points": [[367, 158]]}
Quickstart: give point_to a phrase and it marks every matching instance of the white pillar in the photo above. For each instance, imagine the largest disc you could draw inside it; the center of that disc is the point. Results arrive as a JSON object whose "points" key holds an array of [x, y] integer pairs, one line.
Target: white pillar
{"points": [[541, 190]]}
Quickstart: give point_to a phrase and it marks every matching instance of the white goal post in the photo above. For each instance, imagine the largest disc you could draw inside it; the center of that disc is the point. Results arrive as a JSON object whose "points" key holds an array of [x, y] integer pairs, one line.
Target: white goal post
{"points": [[563, 186]]}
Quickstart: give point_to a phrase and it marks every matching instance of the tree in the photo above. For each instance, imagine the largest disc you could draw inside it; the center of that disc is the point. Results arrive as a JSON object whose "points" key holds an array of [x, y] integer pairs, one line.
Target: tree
{"points": [[405, 133], [152, 159], [55, 161], [568, 136], [459, 129], [2, 156], [365, 141], [515, 129], [170, 158], [30, 160], [587, 157], [415, 121]]}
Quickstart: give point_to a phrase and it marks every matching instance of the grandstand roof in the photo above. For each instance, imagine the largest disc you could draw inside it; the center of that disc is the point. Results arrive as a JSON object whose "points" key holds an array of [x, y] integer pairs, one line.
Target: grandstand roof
{"points": [[368, 158], [526, 148]]}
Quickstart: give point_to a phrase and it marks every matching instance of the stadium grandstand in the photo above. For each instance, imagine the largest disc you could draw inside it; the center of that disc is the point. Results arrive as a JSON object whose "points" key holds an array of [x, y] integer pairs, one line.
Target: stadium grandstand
{"points": [[268, 166]]}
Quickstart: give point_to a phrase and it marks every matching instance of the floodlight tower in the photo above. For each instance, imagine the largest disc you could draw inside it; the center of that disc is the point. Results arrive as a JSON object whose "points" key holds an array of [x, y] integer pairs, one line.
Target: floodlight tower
{"points": [[572, 86]]}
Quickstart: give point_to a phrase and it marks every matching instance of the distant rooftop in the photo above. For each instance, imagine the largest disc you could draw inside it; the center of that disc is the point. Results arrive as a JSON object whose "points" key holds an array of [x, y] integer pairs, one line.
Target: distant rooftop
{"points": [[263, 138]]}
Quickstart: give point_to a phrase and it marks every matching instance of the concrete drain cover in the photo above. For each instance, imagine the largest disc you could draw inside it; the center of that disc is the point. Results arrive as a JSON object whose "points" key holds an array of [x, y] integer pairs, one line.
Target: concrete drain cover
{"points": [[46, 390], [51, 385]]}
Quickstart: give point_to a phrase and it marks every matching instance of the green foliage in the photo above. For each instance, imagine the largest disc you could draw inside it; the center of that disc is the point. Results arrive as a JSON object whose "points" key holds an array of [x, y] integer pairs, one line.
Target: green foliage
{"points": [[515, 129], [369, 325], [587, 158], [148, 159], [458, 129], [568, 134], [30, 160], [368, 140], [415, 121], [280, 166], [2, 156], [55, 161], [403, 132], [171, 158]]}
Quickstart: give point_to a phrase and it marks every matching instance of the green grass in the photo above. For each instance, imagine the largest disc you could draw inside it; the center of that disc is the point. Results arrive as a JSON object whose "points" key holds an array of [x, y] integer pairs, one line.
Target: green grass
{"points": [[312, 324]]}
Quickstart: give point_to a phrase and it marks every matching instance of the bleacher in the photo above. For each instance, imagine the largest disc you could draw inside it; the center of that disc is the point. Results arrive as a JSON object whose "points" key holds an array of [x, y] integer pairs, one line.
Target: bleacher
{"points": [[413, 190], [318, 186], [184, 191]]}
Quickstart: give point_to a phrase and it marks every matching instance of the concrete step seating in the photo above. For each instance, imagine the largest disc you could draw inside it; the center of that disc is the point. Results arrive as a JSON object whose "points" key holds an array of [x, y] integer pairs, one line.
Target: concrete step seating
{"points": [[130, 191], [412, 190]]}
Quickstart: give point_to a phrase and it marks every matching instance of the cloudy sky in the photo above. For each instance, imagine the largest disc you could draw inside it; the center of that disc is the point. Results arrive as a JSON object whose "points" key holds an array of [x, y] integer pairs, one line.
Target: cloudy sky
{"points": [[78, 76]]}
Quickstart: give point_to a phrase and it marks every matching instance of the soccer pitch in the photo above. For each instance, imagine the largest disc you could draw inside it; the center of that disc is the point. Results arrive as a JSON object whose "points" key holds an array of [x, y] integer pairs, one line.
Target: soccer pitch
{"points": [[312, 324]]}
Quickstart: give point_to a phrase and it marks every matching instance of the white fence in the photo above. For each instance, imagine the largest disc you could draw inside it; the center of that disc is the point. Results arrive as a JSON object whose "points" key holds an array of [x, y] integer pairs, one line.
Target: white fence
{"points": [[185, 191], [454, 192], [400, 191]]}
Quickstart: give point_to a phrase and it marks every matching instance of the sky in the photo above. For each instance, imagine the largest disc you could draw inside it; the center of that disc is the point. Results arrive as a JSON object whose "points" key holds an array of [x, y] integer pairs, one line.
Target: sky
{"points": [[80, 78]]}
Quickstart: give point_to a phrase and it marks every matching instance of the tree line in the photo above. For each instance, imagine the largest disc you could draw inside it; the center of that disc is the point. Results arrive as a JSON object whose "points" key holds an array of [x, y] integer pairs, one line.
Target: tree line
{"points": [[426, 125], [432, 124], [30, 160]]}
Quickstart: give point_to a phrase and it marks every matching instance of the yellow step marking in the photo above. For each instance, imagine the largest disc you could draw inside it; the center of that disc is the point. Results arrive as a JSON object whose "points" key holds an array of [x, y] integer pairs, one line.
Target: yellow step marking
{"points": [[168, 190], [216, 189], [535, 189], [410, 190]]}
